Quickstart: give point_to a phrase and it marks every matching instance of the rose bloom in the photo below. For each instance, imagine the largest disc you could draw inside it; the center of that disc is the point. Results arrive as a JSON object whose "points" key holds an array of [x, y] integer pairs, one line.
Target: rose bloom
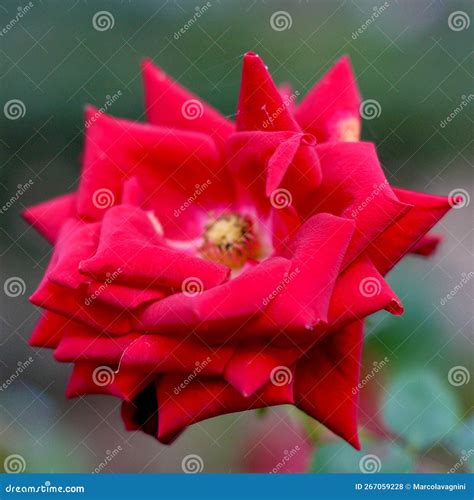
{"points": [[205, 267]]}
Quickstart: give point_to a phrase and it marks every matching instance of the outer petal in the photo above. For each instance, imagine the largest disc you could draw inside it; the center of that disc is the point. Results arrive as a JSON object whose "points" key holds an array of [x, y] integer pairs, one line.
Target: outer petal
{"points": [[142, 412], [169, 105], [73, 304], [360, 291], [77, 241], [208, 397], [168, 163], [408, 231], [123, 296], [324, 380], [89, 378], [49, 330], [48, 217], [82, 343], [253, 363], [355, 186], [427, 245], [330, 110], [167, 354]]}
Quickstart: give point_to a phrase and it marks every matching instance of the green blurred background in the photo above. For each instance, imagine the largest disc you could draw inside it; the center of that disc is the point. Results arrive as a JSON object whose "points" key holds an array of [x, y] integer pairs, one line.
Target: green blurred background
{"points": [[410, 60]]}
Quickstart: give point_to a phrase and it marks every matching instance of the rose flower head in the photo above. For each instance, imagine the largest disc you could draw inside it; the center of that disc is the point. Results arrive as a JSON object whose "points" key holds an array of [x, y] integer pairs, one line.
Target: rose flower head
{"points": [[206, 266]]}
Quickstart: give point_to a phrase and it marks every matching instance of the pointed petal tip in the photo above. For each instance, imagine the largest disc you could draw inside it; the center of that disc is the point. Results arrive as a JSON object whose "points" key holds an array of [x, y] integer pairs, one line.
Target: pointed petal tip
{"points": [[251, 55], [395, 307]]}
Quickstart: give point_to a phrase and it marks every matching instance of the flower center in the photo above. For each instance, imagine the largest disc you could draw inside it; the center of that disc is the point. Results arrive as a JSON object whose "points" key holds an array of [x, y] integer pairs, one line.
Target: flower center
{"points": [[230, 239]]}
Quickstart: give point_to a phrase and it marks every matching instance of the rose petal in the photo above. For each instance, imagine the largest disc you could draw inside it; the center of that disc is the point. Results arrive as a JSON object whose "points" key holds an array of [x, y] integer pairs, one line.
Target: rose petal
{"points": [[251, 367], [330, 110], [168, 104], [89, 378], [217, 315], [49, 217], [360, 291], [207, 397], [407, 232], [355, 186], [325, 378], [130, 248], [170, 164]]}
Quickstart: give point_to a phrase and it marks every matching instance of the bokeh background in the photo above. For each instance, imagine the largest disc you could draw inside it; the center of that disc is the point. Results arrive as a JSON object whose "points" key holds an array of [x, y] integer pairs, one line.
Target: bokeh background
{"points": [[416, 408]]}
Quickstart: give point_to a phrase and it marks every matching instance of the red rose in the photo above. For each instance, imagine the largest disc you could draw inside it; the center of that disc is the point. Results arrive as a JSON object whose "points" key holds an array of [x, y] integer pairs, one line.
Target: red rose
{"points": [[205, 267]]}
